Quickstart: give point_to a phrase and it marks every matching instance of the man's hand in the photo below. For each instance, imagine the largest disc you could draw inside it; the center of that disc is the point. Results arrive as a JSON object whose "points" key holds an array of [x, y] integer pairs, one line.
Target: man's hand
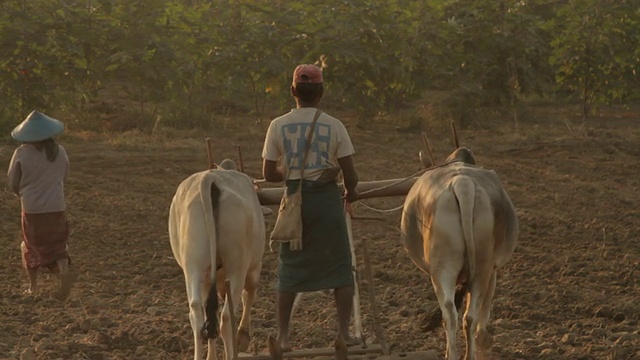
{"points": [[351, 195]]}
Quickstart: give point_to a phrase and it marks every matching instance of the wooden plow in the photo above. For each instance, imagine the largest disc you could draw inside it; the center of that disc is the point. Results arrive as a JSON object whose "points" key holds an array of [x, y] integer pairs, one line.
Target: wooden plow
{"points": [[367, 350]]}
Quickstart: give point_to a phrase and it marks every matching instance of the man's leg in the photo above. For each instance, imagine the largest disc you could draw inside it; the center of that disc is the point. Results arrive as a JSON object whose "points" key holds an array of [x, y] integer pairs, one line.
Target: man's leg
{"points": [[344, 306], [284, 301]]}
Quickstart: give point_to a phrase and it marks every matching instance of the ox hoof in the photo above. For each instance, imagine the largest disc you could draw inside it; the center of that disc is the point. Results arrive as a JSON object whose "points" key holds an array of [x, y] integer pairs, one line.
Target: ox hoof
{"points": [[244, 338], [274, 348]]}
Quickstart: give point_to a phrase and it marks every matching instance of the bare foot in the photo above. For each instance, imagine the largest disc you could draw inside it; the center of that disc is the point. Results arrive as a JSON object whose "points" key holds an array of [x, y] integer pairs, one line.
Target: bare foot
{"points": [[274, 348], [29, 291], [351, 341], [342, 353], [66, 283], [286, 347]]}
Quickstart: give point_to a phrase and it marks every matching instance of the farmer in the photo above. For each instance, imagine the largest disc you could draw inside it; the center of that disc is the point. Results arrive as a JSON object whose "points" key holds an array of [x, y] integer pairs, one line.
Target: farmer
{"points": [[324, 262], [36, 174]]}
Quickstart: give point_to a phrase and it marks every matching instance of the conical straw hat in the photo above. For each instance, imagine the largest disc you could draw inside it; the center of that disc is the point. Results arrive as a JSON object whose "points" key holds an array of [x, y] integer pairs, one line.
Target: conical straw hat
{"points": [[37, 127]]}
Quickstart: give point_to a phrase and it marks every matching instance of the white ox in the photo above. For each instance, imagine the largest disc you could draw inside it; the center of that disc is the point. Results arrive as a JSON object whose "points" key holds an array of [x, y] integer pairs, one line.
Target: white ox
{"points": [[459, 226], [216, 222]]}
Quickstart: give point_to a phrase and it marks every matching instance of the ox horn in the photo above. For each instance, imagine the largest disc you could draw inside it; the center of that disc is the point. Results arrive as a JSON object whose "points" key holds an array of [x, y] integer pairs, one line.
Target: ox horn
{"points": [[212, 165], [456, 143], [427, 144]]}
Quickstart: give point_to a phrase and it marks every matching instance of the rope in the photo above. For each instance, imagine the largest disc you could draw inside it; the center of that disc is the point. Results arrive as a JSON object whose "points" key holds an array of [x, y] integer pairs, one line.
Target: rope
{"points": [[384, 211], [417, 173]]}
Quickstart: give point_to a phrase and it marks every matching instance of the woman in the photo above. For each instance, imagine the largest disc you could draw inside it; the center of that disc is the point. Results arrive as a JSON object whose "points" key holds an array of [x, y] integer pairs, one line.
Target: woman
{"points": [[36, 174]]}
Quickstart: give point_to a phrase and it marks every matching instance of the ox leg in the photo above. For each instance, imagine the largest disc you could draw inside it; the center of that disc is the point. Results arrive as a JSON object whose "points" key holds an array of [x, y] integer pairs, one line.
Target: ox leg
{"points": [[196, 312], [248, 296], [470, 323], [444, 286], [483, 338], [206, 287], [226, 329], [476, 297]]}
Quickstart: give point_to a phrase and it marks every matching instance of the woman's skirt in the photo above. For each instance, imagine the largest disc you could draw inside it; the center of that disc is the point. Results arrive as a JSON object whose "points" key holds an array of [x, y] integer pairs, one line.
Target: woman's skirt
{"points": [[325, 259], [45, 236]]}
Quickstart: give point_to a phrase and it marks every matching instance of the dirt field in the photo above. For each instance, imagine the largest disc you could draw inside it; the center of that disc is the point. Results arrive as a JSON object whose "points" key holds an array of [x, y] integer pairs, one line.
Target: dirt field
{"points": [[570, 292]]}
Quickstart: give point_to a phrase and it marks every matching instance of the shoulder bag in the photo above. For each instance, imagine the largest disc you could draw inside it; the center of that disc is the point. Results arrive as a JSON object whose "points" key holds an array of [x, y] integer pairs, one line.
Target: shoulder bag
{"points": [[288, 226]]}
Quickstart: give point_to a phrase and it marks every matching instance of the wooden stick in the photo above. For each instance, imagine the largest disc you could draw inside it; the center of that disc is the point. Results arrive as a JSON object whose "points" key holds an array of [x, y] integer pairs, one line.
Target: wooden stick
{"points": [[372, 299], [357, 316], [456, 142], [212, 165], [366, 218], [309, 353], [232, 318], [240, 159], [427, 144]]}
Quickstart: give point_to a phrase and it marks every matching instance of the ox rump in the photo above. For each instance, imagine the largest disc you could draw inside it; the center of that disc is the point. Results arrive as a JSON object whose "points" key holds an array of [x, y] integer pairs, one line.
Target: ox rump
{"points": [[460, 227], [217, 233]]}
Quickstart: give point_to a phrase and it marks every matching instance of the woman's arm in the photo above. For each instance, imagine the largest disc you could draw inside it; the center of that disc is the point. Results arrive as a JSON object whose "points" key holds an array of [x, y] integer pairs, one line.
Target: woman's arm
{"points": [[14, 176]]}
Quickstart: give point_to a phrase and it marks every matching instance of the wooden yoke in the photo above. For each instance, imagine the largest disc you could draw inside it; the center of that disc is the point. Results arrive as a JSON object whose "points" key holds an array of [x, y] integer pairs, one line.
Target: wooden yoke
{"points": [[367, 190]]}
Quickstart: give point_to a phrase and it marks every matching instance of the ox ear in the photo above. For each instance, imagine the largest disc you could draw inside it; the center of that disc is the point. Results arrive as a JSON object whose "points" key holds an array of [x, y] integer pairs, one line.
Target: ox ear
{"points": [[266, 211]]}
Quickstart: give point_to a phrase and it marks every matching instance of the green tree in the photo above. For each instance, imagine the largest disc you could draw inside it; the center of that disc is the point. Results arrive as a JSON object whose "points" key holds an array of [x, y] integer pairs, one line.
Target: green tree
{"points": [[497, 54], [592, 51]]}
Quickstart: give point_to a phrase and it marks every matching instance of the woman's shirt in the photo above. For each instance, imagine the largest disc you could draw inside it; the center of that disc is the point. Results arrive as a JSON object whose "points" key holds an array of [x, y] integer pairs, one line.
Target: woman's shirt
{"points": [[38, 181]]}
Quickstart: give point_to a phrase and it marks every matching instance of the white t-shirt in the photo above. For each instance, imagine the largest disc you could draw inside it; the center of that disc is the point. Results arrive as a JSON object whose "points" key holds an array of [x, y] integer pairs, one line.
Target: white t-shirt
{"points": [[287, 136]]}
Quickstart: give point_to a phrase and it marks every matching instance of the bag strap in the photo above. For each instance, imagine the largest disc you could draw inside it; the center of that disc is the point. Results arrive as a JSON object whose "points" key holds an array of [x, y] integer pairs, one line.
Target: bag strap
{"points": [[307, 146]]}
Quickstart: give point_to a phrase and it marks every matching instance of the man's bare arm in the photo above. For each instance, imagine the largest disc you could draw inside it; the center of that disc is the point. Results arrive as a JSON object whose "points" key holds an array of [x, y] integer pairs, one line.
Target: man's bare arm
{"points": [[271, 172], [350, 177]]}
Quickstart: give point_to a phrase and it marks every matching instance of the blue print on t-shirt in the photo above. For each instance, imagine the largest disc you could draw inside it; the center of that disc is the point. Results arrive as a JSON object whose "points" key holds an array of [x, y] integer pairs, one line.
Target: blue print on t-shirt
{"points": [[295, 138]]}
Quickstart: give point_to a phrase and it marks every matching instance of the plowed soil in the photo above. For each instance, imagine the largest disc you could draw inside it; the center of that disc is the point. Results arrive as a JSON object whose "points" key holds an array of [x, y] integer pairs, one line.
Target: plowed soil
{"points": [[570, 292]]}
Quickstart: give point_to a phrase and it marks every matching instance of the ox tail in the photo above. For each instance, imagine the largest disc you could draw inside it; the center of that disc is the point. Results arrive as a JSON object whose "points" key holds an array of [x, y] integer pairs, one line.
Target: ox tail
{"points": [[464, 190], [212, 208]]}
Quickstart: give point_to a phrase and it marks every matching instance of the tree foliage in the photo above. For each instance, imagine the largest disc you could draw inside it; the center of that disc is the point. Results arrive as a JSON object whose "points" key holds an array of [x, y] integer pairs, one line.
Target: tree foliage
{"points": [[189, 61], [595, 50]]}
